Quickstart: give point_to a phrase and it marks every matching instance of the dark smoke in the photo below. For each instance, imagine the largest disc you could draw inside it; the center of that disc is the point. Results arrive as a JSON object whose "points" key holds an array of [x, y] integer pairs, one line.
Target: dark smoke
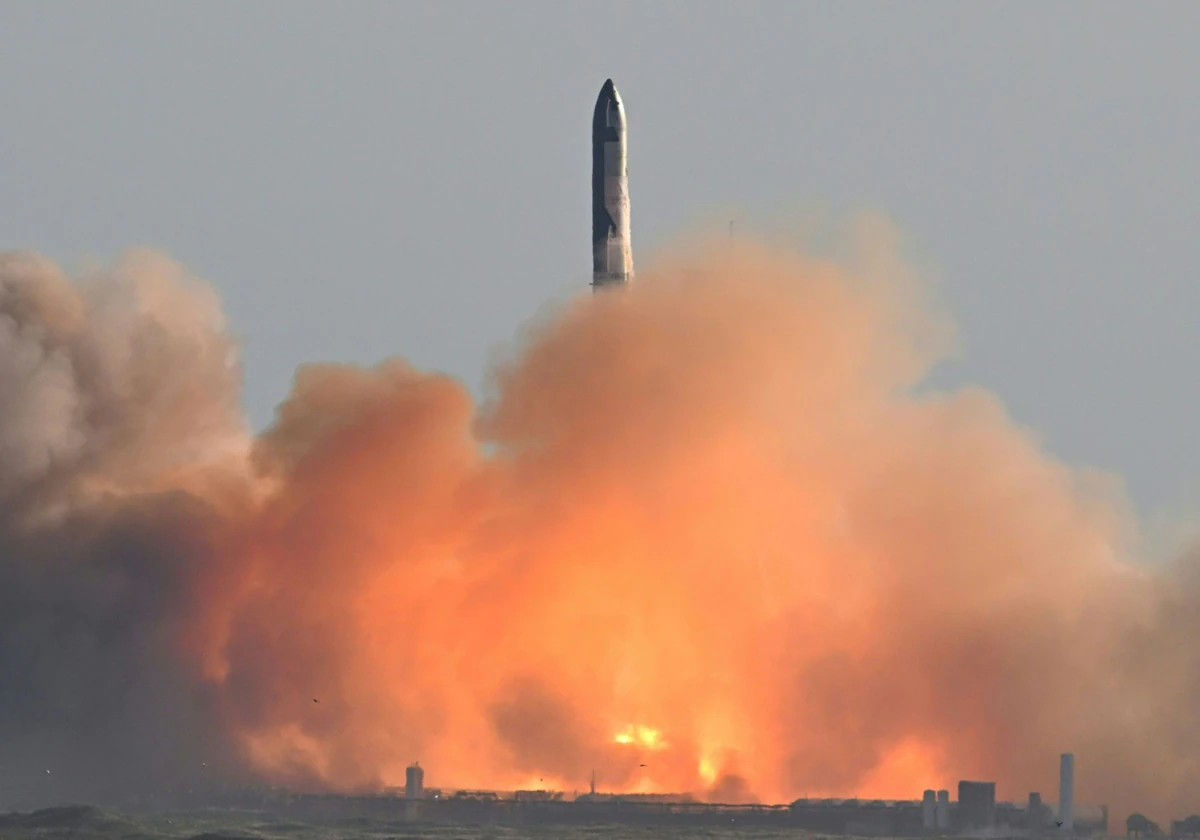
{"points": [[113, 390]]}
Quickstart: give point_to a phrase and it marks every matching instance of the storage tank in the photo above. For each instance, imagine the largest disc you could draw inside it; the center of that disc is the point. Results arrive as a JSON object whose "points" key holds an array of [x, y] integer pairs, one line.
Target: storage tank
{"points": [[414, 782], [929, 810], [943, 810], [977, 804]]}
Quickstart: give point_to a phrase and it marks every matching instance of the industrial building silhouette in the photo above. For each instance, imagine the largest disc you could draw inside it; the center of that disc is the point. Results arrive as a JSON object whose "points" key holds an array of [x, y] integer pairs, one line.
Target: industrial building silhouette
{"points": [[974, 812]]}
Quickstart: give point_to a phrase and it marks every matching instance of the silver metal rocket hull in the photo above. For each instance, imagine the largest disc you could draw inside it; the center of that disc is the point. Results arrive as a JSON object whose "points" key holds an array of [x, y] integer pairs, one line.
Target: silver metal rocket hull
{"points": [[612, 256]]}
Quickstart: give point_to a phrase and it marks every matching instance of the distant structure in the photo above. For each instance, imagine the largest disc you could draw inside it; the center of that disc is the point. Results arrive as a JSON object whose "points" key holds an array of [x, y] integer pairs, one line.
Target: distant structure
{"points": [[977, 804], [929, 810], [943, 810], [414, 782], [1188, 827], [1035, 817], [1066, 793], [414, 792], [612, 253], [933, 815], [1139, 825], [828, 817]]}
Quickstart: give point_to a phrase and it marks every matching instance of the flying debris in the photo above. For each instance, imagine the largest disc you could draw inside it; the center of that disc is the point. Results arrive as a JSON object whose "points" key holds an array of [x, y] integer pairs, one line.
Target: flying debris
{"points": [[612, 256]]}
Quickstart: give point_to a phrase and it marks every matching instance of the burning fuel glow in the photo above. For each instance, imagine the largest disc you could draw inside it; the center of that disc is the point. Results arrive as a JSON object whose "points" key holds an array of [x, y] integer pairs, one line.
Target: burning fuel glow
{"points": [[706, 534], [641, 736]]}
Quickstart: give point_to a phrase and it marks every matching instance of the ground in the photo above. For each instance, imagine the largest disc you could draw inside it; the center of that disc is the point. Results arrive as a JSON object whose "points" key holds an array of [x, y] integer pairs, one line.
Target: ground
{"points": [[85, 822]]}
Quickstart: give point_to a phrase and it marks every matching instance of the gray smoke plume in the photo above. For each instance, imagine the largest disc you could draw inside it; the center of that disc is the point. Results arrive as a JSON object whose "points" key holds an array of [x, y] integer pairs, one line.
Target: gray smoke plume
{"points": [[117, 390]]}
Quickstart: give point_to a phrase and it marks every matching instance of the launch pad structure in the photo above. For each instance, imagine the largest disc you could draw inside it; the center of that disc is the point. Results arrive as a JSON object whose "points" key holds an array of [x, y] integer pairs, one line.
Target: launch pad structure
{"points": [[975, 812], [856, 817]]}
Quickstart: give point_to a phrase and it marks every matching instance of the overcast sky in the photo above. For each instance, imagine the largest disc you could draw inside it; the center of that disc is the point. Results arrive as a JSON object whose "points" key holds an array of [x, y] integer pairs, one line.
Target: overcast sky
{"points": [[366, 179]]}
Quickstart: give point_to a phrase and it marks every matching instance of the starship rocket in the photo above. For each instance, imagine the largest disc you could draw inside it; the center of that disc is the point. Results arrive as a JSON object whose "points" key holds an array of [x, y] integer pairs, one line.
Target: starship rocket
{"points": [[612, 257]]}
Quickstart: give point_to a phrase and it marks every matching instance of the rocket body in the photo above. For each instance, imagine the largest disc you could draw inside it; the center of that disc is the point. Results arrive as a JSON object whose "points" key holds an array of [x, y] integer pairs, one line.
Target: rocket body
{"points": [[612, 256]]}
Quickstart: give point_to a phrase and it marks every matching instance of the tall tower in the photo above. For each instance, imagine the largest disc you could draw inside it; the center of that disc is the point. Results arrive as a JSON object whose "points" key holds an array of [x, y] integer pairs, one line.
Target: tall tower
{"points": [[1066, 792], [612, 255], [414, 782]]}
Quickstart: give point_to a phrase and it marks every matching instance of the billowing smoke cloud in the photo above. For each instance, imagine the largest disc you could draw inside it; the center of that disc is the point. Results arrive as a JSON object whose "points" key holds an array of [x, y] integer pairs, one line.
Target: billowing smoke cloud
{"points": [[705, 534], [116, 393]]}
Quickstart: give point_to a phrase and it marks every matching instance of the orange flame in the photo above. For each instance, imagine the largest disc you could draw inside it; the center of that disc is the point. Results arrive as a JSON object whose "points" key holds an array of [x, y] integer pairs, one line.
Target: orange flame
{"points": [[642, 736]]}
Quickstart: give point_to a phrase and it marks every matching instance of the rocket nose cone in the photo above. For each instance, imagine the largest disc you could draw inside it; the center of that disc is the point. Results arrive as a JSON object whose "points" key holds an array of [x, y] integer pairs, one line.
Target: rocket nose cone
{"points": [[609, 112], [608, 93]]}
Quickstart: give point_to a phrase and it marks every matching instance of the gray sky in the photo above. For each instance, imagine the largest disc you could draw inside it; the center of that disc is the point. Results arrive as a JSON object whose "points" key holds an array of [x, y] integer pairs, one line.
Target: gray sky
{"points": [[366, 179]]}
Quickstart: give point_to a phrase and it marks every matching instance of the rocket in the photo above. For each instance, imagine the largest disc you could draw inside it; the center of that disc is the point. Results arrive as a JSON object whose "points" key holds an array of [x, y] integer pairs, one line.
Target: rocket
{"points": [[612, 257]]}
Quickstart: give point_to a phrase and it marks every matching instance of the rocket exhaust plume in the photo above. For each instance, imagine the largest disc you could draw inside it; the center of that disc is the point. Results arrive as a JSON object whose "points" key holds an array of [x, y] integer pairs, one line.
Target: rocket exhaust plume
{"points": [[702, 536], [612, 253]]}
